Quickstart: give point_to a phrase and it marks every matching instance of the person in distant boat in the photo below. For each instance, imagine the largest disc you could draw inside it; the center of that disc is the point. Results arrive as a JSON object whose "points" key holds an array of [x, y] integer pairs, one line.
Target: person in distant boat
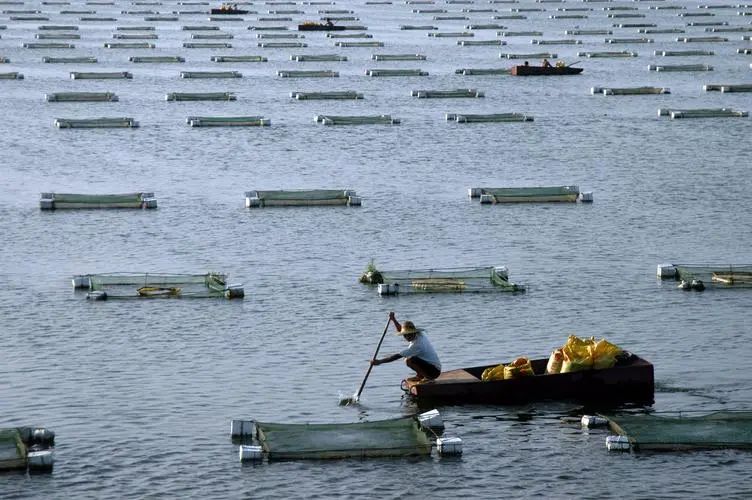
{"points": [[419, 354], [526, 63], [546, 64], [329, 22]]}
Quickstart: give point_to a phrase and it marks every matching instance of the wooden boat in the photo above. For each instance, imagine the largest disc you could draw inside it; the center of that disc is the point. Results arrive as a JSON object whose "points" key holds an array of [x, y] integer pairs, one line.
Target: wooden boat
{"points": [[155, 291], [544, 70], [630, 380], [228, 11], [320, 27]]}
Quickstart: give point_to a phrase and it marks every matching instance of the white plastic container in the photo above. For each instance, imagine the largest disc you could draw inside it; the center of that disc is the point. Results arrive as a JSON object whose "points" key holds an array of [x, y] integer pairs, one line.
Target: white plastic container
{"points": [[431, 420], [81, 281], [234, 291], [586, 197], [40, 459], [387, 289], [242, 428], [502, 272], [486, 199], [353, 201], [666, 271], [250, 453], [474, 192], [449, 446], [617, 443], [591, 421], [97, 295]]}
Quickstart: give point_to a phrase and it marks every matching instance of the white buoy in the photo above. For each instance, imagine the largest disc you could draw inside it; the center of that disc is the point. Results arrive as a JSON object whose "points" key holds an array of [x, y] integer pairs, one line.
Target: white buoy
{"points": [[449, 446], [591, 421], [665, 271], [242, 428], [42, 436], [431, 420], [97, 295], [81, 281], [353, 201], [388, 289], [474, 192], [586, 197], [40, 460], [502, 272], [617, 443], [486, 199], [250, 453], [234, 291]]}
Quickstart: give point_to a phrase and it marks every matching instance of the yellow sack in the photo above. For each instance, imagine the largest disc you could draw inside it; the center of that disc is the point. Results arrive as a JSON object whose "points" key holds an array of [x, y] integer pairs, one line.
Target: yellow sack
{"points": [[493, 373], [520, 367], [604, 354], [576, 359], [554, 362]]}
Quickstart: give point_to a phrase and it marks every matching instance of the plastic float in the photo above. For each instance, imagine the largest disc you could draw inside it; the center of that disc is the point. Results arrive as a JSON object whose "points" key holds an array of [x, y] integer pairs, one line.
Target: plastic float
{"points": [[78, 75], [449, 280], [200, 96], [343, 94], [157, 285], [488, 118], [58, 201], [228, 121], [96, 123], [356, 120], [570, 194], [308, 74], [399, 437], [27, 448], [211, 74], [301, 197], [395, 72], [81, 97]]}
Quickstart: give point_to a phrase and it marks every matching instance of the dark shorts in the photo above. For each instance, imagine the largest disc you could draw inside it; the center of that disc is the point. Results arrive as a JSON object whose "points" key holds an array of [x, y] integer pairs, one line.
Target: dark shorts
{"points": [[427, 367]]}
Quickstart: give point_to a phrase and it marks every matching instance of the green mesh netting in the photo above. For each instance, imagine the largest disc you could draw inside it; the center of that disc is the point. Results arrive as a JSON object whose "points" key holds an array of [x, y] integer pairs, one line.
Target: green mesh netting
{"points": [[395, 437], [716, 275], [12, 450], [553, 193], [722, 429], [467, 279], [312, 194], [146, 285], [134, 198]]}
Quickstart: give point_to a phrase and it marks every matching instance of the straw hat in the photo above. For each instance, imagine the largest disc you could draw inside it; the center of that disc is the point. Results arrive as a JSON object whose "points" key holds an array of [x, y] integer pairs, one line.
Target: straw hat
{"points": [[408, 327]]}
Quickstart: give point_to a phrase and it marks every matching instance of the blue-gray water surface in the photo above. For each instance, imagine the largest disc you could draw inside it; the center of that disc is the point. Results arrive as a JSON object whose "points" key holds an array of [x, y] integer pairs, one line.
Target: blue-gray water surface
{"points": [[140, 394]]}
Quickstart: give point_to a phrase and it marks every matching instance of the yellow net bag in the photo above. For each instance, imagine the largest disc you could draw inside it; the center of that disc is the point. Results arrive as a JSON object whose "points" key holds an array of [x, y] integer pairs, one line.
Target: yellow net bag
{"points": [[520, 367]]}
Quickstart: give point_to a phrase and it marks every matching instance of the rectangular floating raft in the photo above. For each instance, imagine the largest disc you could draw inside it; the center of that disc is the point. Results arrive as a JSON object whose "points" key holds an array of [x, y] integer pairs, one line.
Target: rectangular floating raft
{"points": [[454, 93], [96, 123], [719, 430], [301, 197], [488, 118], [211, 74], [702, 113], [157, 285], [343, 94], [450, 280], [356, 120], [57, 201], [629, 90], [228, 121], [399, 437], [528, 194], [77, 75], [238, 59], [24, 448], [81, 97], [200, 96], [714, 275]]}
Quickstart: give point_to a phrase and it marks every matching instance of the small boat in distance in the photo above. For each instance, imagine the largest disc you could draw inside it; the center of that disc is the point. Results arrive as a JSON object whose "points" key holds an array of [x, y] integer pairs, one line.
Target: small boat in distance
{"points": [[630, 380], [230, 9], [327, 26], [526, 70]]}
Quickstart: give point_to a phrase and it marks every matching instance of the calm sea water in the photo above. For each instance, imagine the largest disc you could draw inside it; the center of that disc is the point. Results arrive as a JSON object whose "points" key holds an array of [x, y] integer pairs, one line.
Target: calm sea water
{"points": [[141, 394]]}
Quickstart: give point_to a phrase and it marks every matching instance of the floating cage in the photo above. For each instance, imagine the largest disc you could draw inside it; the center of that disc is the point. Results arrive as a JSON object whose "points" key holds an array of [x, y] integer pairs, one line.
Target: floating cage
{"points": [[81, 97], [529, 194], [308, 74], [702, 113], [630, 90], [238, 59], [301, 197], [620, 53], [683, 432], [398, 57], [24, 448], [450, 280], [454, 93], [200, 96], [54, 201], [534, 55], [157, 285], [13, 75], [211, 74], [356, 120], [482, 71], [488, 118], [156, 59], [228, 121], [117, 122], [713, 275], [343, 94], [78, 75], [69, 60]]}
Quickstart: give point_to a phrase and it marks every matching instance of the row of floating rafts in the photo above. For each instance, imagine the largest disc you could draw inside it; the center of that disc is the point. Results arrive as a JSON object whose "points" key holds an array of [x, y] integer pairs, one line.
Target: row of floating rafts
{"points": [[356, 120], [106, 122], [301, 197], [399, 437], [26, 448], [702, 113], [680, 67], [629, 90], [59, 201], [343, 94], [452, 280], [200, 96], [743, 87], [569, 194], [157, 285], [308, 74], [228, 121], [487, 118], [454, 93]]}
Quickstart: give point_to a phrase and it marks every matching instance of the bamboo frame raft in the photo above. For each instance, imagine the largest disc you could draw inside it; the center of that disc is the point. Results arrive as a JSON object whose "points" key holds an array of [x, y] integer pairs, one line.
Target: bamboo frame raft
{"points": [[56, 201], [301, 197]]}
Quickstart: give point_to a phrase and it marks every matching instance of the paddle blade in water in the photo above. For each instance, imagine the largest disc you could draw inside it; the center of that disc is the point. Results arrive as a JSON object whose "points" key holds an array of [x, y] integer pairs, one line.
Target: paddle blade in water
{"points": [[348, 400]]}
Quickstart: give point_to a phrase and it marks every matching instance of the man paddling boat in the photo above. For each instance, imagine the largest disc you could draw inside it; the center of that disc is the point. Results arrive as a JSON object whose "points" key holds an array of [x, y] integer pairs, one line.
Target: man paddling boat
{"points": [[419, 354]]}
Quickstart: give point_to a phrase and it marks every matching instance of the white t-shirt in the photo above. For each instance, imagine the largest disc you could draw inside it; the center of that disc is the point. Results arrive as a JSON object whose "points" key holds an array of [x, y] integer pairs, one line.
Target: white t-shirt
{"points": [[421, 348]]}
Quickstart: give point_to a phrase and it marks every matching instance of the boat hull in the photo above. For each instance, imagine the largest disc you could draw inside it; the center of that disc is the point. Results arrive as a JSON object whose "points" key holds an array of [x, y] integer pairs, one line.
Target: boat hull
{"points": [[228, 12], [320, 27], [544, 71], [631, 381]]}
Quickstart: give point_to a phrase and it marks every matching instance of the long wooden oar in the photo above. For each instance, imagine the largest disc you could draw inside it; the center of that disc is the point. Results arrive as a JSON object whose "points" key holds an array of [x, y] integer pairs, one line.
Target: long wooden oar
{"points": [[355, 397]]}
